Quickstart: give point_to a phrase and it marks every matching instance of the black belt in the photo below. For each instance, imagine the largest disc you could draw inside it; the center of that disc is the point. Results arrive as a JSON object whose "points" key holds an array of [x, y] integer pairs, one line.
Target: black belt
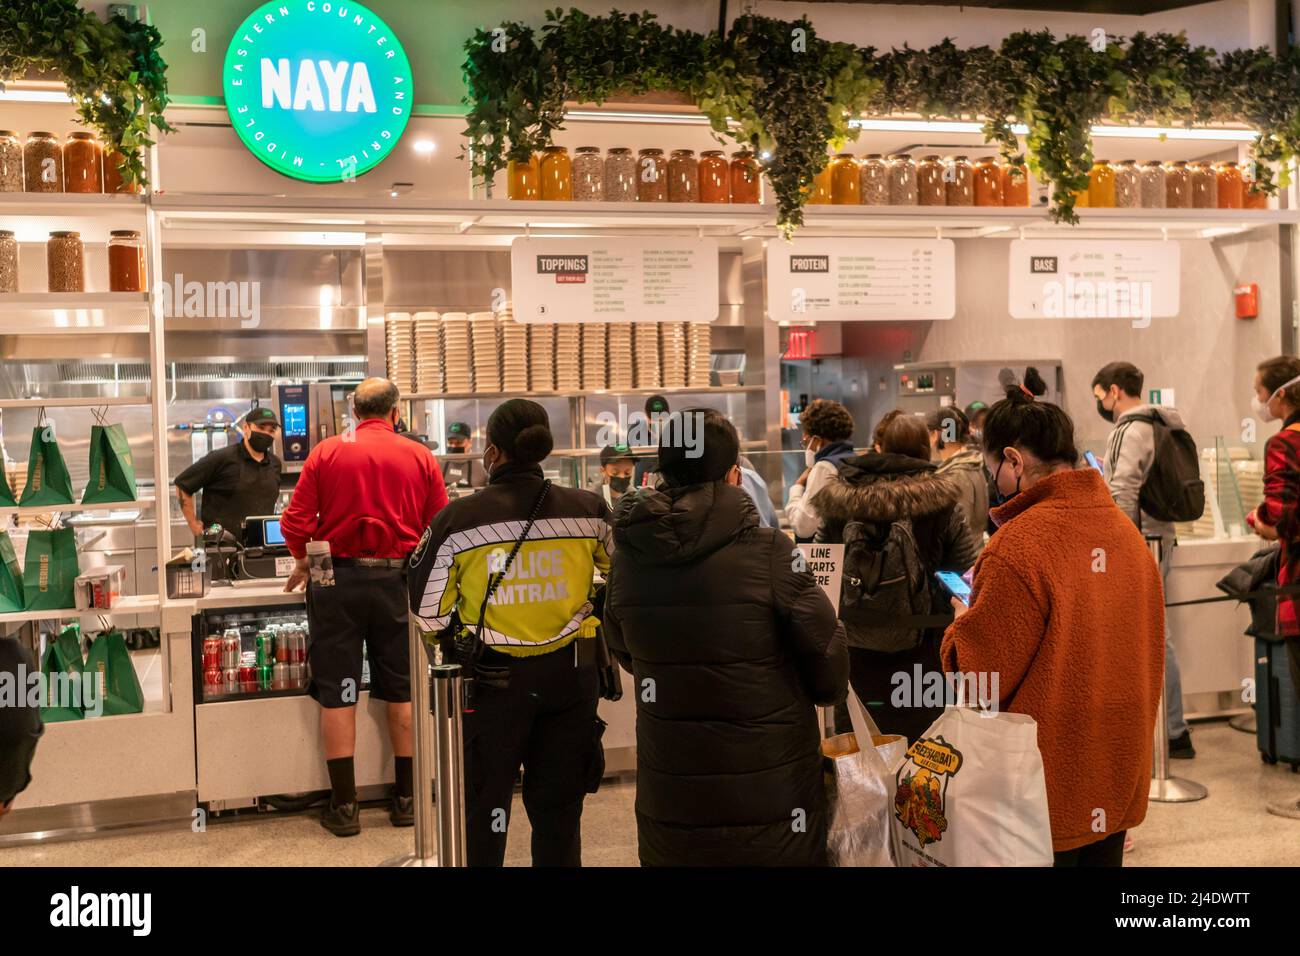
{"points": [[369, 562]]}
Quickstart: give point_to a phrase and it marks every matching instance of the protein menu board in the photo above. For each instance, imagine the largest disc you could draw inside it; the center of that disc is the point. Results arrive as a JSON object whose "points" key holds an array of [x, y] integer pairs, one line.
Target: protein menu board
{"points": [[663, 279], [842, 280], [1093, 279]]}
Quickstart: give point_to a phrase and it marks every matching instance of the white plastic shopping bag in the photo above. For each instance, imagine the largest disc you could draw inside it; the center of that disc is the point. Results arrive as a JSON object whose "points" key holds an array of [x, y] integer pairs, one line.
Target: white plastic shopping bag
{"points": [[971, 792], [860, 786]]}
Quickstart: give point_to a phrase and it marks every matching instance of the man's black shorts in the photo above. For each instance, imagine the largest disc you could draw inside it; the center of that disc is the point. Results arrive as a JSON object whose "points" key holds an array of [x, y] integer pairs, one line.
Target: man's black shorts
{"points": [[365, 604]]}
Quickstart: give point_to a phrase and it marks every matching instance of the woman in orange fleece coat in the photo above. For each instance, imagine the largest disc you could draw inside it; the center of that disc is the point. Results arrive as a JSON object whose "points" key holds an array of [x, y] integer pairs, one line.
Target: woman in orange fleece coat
{"points": [[1068, 610]]}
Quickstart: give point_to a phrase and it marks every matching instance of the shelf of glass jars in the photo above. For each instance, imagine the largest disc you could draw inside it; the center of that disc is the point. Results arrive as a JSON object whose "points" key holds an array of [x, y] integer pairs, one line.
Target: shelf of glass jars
{"points": [[35, 511], [13, 204], [132, 604]]}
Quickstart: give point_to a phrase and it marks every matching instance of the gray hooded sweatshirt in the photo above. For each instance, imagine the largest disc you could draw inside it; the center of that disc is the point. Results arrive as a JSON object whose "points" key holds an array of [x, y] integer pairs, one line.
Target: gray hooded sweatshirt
{"points": [[1130, 450]]}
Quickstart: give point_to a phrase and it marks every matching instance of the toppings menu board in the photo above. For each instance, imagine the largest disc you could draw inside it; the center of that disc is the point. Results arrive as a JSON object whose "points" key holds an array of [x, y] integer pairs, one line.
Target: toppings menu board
{"points": [[1093, 279], [843, 280], [601, 279]]}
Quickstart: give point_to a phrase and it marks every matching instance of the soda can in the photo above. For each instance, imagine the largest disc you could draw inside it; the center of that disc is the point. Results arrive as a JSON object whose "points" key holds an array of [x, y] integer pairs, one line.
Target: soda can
{"points": [[264, 676], [300, 648], [248, 679], [230, 680], [213, 682], [280, 676], [230, 648], [211, 652], [297, 675], [265, 648]]}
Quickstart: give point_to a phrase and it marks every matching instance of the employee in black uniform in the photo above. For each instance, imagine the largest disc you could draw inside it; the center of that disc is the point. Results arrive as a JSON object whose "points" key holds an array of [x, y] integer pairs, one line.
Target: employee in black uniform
{"points": [[469, 472], [237, 481]]}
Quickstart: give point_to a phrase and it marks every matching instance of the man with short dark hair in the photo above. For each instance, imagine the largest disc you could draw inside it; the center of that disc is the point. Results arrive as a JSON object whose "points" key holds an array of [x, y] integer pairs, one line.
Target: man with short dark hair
{"points": [[463, 473], [730, 647], [237, 481], [1130, 452], [368, 494], [614, 477]]}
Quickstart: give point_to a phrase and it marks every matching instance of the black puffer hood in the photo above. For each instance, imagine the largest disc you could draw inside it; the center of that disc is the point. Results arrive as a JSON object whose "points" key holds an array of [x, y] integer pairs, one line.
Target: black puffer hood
{"points": [[680, 525], [879, 486]]}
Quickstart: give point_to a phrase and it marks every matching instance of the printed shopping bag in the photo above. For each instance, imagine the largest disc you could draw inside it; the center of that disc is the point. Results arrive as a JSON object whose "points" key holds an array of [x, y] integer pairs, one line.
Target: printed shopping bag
{"points": [[50, 570], [7, 499], [116, 683], [48, 481], [62, 668], [112, 473], [971, 792], [11, 577], [860, 785]]}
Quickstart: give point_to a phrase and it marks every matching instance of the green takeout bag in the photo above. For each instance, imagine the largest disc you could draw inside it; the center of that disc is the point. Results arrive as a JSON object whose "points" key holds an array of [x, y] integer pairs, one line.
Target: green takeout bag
{"points": [[112, 473], [11, 577], [48, 481], [7, 499], [61, 666], [116, 681], [50, 570]]}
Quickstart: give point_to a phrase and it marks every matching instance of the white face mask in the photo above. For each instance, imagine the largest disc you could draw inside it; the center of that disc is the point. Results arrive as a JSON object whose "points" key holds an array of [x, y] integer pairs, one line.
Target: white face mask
{"points": [[809, 456], [1261, 409]]}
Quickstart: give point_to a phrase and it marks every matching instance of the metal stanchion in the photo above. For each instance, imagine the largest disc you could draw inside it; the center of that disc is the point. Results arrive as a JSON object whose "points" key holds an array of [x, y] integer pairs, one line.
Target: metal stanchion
{"points": [[1166, 788], [448, 719], [426, 849]]}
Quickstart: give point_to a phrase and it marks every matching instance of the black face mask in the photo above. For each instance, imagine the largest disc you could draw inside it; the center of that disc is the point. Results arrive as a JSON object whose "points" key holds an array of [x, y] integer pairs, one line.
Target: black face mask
{"points": [[261, 442], [619, 483], [1104, 412], [998, 497]]}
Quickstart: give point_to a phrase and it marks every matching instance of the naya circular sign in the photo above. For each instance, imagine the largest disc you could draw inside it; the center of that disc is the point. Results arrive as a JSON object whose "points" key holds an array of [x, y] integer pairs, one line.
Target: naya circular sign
{"points": [[319, 90]]}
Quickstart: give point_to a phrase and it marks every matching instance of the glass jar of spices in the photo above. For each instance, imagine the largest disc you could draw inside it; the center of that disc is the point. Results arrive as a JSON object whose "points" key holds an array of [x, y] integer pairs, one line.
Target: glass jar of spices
{"points": [[1178, 185], [8, 261], [126, 269], [1205, 186], [902, 180], [11, 162], [822, 190], [65, 261], [557, 174], [524, 179], [746, 178], [83, 164], [929, 182], [1015, 185], [43, 163], [683, 176], [651, 176], [1101, 185], [988, 182], [844, 180], [715, 177], [1154, 188], [1128, 184], [1252, 197], [959, 182], [873, 180], [1229, 186], [588, 175], [113, 181], [620, 175]]}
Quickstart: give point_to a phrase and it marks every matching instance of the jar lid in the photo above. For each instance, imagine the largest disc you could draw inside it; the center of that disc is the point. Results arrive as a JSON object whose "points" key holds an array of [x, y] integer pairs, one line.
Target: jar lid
{"points": [[987, 159], [620, 151], [1128, 162], [40, 133], [555, 149], [589, 149], [900, 156], [65, 235], [845, 156], [125, 233], [960, 159], [652, 151], [8, 132], [6, 234], [81, 134], [872, 156], [711, 152], [932, 158], [1180, 162], [1228, 163], [1153, 162], [1101, 162], [683, 152]]}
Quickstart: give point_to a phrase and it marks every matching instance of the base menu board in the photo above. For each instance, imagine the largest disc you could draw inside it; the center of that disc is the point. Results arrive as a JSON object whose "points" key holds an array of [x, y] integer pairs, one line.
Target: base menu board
{"points": [[1093, 279], [844, 280], [602, 279]]}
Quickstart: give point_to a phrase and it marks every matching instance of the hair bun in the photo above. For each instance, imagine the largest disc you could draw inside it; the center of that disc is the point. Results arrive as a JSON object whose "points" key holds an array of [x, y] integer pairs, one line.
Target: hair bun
{"points": [[1034, 382], [533, 444]]}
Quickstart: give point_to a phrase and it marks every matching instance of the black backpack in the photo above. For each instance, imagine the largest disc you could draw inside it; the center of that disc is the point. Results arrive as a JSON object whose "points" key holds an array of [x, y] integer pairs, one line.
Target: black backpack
{"points": [[885, 594], [1172, 489]]}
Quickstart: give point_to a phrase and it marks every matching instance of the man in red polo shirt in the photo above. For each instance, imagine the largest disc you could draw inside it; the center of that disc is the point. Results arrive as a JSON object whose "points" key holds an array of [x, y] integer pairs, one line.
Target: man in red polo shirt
{"points": [[369, 493]]}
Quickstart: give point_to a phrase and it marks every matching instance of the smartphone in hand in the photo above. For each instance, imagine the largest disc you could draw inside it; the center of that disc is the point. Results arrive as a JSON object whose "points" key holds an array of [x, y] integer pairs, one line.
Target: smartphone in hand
{"points": [[955, 585], [1091, 459]]}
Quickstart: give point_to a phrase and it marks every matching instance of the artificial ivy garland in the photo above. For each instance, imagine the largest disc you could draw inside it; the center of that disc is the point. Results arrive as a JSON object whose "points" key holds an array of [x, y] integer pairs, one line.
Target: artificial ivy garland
{"points": [[779, 88], [112, 69]]}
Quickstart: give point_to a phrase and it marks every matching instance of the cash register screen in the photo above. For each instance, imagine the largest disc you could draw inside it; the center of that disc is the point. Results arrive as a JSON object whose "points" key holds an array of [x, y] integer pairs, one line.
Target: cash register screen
{"points": [[273, 533]]}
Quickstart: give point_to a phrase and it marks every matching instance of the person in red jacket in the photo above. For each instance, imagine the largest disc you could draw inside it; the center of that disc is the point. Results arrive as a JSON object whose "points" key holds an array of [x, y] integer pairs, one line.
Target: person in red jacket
{"points": [[369, 493], [1067, 609]]}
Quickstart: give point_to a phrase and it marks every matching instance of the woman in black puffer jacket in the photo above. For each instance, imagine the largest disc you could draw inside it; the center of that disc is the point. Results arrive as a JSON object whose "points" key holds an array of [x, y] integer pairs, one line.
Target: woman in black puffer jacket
{"points": [[899, 483], [730, 648]]}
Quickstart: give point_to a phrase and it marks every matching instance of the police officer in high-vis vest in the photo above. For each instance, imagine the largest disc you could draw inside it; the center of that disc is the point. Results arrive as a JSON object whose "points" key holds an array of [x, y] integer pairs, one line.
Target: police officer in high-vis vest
{"points": [[534, 547]]}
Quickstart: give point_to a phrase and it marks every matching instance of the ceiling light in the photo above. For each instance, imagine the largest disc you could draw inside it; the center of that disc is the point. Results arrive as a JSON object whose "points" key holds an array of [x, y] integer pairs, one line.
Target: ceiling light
{"points": [[424, 146], [34, 96]]}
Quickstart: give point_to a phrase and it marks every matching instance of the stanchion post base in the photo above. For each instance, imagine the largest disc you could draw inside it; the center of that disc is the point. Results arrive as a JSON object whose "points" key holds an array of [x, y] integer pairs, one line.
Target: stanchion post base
{"points": [[1176, 790], [410, 859], [1243, 722], [1286, 808]]}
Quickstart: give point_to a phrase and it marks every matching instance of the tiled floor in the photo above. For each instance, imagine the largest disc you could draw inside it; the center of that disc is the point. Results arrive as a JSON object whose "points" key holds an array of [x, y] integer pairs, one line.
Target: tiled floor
{"points": [[1229, 828]]}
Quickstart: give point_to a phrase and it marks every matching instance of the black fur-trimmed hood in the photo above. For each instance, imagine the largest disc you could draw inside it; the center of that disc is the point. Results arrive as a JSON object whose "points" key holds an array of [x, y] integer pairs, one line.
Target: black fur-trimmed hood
{"points": [[880, 487]]}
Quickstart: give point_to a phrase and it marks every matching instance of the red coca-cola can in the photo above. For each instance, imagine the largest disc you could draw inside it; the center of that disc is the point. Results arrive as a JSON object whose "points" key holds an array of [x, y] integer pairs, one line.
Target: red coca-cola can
{"points": [[213, 681], [211, 653], [247, 679]]}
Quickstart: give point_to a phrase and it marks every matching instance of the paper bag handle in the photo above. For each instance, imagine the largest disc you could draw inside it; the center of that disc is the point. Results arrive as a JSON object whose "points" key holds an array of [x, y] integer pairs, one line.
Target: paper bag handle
{"points": [[864, 729]]}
